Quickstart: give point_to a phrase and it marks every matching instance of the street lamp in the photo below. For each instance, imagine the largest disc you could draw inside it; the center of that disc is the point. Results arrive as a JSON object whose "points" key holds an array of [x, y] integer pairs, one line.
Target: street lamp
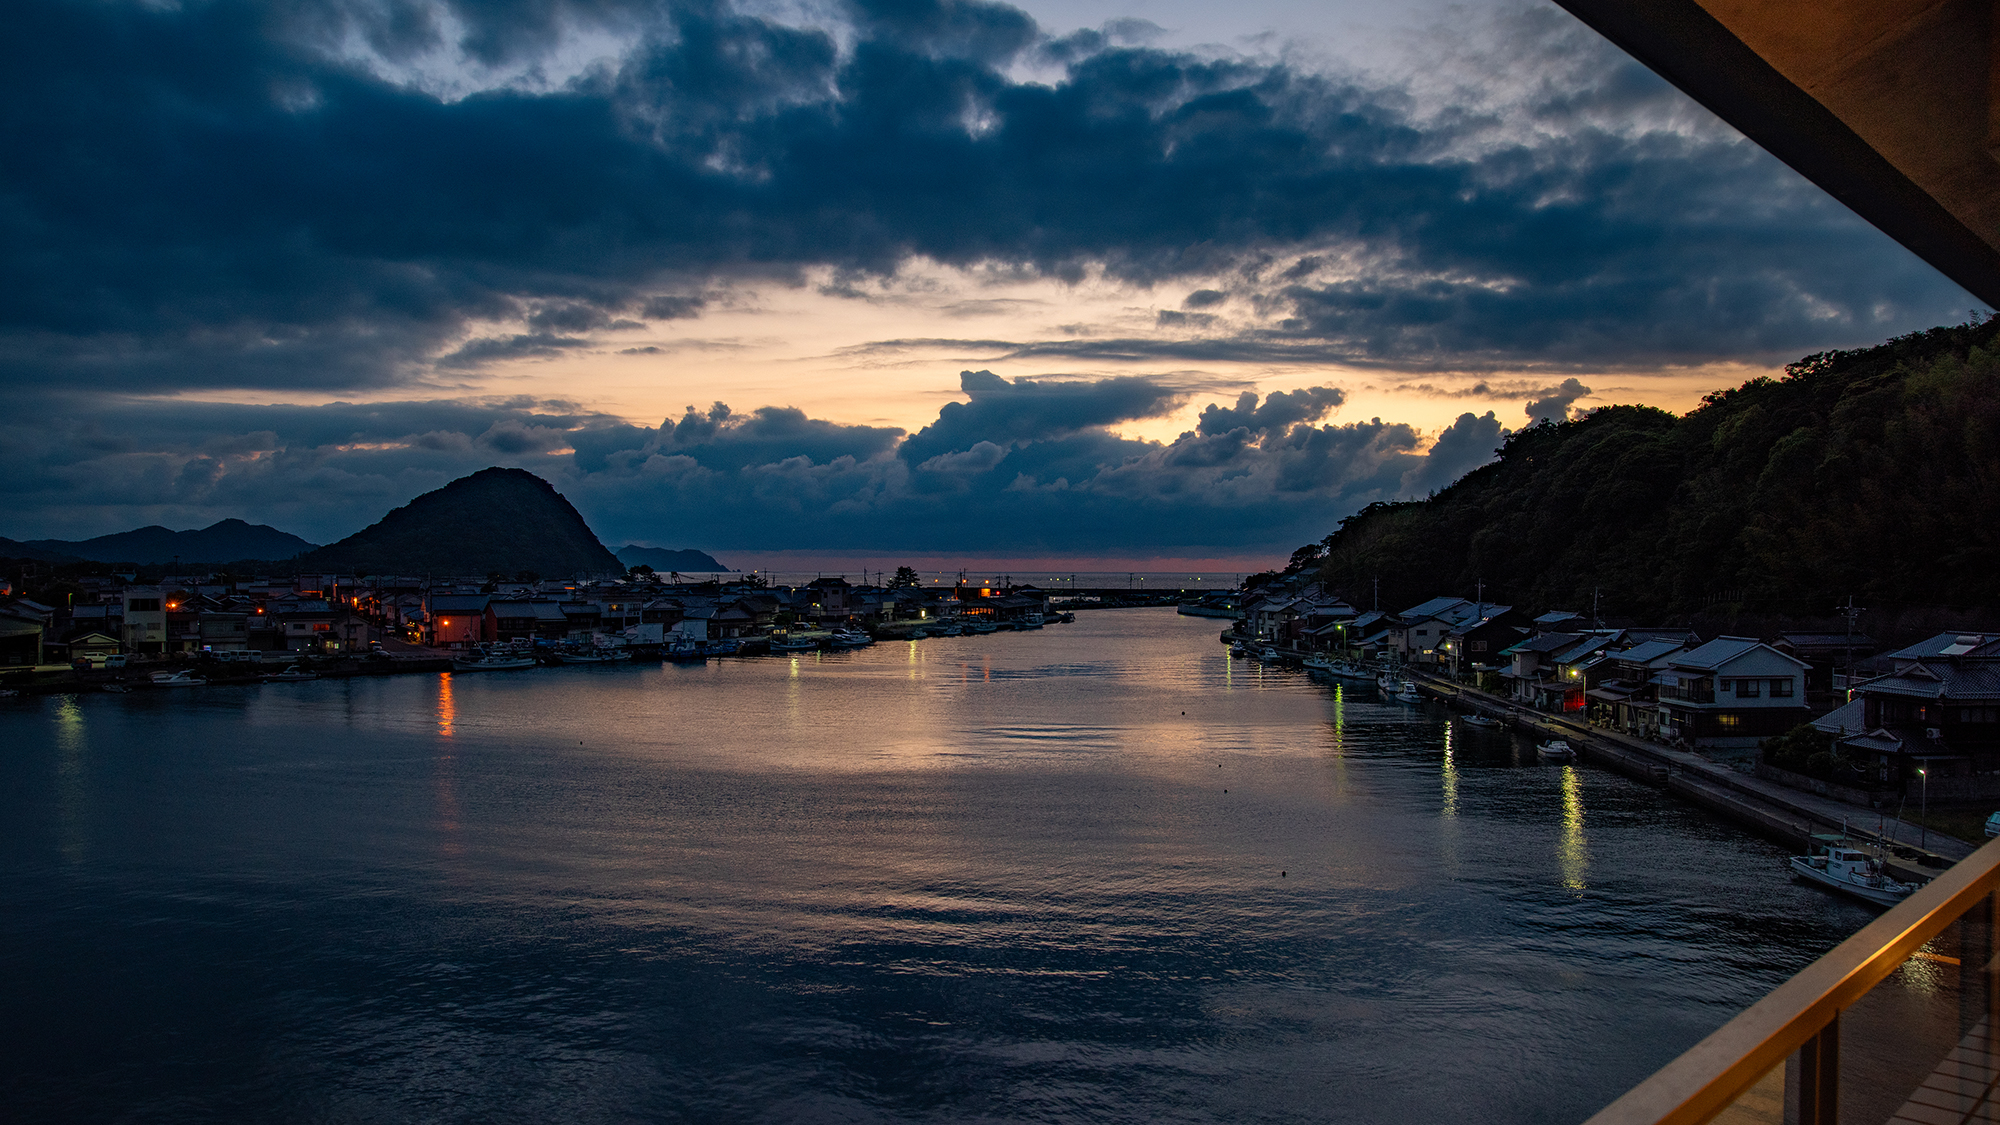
{"points": [[1924, 806]]}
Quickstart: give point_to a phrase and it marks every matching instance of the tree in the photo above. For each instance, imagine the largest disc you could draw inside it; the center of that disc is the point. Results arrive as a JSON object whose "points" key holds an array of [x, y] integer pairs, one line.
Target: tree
{"points": [[641, 572], [906, 578]]}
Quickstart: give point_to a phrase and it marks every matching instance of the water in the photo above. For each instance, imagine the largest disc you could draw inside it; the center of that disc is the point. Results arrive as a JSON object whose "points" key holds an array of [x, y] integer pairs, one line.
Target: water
{"points": [[1096, 873]]}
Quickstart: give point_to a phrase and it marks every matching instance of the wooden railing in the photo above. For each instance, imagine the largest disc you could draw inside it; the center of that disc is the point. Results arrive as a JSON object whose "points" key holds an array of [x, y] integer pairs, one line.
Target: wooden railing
{"points": [[1798, 1025]]}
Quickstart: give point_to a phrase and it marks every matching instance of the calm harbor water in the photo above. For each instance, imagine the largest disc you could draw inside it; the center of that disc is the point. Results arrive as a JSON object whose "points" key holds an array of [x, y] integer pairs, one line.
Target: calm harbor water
{"points": [[1098, 873]]}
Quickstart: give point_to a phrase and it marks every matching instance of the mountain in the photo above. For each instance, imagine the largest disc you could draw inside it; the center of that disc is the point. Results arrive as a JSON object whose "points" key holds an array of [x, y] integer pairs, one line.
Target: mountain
{"points": [[496, 520], [669, 562], [15, 549], [1873, 473], [227, 541]]}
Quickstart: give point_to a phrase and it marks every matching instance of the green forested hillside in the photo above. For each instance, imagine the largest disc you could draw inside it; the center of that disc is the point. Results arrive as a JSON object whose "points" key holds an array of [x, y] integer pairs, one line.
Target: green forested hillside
{"points": [[1872, 473]]}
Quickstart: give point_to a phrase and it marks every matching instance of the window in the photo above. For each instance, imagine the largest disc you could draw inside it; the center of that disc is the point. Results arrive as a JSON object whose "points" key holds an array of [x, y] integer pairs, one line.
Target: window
{"points": [[143, 605], [1781, 688], [1749, 689], [1423, 632], [1726, 720]]}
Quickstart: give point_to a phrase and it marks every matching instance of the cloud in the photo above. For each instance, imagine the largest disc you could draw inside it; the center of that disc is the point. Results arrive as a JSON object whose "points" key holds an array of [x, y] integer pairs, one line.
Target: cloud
{"points": [[318, 214], [1028, 409], [1555, 402], [1023, 464]]}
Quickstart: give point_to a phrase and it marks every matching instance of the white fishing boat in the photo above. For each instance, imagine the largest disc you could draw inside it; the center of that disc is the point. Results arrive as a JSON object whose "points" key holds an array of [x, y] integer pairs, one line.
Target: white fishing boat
{"points": [[1032, 621], [1386, 682], [177, 679], [1346, 670], [781, 642], [1407, 692], [981, 627], [589, 656], [1484, 722], [1555, 750], [1842, 867], [1269, 655], [293, 674], [1318, 665], [493, 660]]}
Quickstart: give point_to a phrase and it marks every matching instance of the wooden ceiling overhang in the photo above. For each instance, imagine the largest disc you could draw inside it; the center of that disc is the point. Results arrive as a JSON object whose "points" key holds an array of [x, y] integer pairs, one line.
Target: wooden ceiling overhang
{"points": [[1891, 106]]}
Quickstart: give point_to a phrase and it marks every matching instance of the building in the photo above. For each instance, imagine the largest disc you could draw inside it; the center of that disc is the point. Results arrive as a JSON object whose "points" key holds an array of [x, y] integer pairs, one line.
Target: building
{"points": [[1731, 693], [1938, 712]]}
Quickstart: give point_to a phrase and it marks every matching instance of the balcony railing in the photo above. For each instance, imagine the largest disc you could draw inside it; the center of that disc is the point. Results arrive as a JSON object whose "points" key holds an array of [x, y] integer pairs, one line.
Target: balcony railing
{"points": [[1896, 1024]]}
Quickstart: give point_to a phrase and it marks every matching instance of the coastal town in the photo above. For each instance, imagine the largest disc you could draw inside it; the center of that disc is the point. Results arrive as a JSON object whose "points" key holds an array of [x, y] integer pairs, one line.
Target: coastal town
{"points": [[1799, 724], [115, 631]]}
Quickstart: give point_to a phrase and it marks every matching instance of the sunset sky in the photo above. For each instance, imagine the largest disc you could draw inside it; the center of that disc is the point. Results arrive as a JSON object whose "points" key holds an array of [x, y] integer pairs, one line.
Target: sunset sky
{"points": [[1099, 283]]}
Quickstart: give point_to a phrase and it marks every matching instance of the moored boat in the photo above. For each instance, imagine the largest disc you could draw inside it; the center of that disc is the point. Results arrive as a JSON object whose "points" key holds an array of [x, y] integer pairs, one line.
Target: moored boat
{"points": [[177, 679], [782, 642], [1482, 721], [494, 660], [1407, 692], [292, 674], [1555, 750], [1842, 867]]}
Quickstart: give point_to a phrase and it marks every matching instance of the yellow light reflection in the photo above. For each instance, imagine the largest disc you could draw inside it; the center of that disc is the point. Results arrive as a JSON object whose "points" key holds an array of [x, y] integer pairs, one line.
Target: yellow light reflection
{"points": [[1450, 777], [447, 710], [72, 787], [1573, 853]]}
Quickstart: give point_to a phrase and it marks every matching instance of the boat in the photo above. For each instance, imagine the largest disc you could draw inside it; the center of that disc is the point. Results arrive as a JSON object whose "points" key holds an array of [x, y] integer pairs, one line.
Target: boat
{"points": [[947, 630], [1238, 648], [1993, 825], [1269, 655], [177, 679], [851, 638], [1317, 665], [293, 674], [1407, 692], [1386, 682], [982, 627], [1345, 670], [1555, 750], [1484, 722], [588, 656], [782, 642], [120, 689], [1031, 621], [493, 660], [1842, 867]]}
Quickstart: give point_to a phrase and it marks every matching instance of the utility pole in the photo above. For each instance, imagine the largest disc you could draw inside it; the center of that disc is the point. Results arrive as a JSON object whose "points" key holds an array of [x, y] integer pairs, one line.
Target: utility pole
{"points": [[1851, 613], [1378, 595]]}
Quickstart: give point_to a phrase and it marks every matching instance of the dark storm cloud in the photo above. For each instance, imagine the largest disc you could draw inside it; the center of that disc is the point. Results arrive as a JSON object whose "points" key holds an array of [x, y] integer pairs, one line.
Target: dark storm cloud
{"points": [[1006, 412], [1553, 403], [215, 194], [1026, 464]]}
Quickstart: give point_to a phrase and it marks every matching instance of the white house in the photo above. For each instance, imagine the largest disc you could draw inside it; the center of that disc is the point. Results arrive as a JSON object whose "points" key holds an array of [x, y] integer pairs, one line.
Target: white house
{"points": [[1731, 693]]}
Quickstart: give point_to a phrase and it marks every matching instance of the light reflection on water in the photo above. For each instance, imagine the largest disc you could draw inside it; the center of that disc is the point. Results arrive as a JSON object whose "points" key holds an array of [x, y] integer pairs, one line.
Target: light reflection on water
{"points": [[1099, 872]]}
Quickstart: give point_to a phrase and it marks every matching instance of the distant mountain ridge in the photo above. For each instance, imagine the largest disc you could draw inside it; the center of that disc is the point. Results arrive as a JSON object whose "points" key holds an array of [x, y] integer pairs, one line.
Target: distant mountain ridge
{"points": [[228, 540], [669, 562], [496, 520]]}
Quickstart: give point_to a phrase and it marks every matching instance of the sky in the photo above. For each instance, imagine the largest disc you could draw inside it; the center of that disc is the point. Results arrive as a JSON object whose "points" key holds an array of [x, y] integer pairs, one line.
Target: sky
{"points": [[1105, 283]]}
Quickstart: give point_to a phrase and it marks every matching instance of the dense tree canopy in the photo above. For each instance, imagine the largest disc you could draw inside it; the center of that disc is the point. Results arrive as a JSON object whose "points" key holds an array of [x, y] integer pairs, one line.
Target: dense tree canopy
{"points": [[1873, 473]]}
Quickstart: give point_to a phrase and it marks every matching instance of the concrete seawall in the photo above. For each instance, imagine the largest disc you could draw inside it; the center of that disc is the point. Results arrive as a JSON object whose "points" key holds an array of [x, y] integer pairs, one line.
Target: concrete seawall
{"points": [[1787, 816]]}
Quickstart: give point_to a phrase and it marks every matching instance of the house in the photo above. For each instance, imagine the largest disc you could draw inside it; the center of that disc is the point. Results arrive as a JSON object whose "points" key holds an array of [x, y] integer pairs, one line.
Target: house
{"points": [[304, 624], [1731, 693], [517, 620], [1626, 698], [1829, 656], [22, 631], [144, 619], [1936, 716], [458, 620], [90, 647], [1424, 630]]}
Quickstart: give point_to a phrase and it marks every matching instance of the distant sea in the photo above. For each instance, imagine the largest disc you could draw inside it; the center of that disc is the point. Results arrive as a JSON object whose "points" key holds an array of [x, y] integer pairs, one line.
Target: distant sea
{"points": [[1051, 580]]}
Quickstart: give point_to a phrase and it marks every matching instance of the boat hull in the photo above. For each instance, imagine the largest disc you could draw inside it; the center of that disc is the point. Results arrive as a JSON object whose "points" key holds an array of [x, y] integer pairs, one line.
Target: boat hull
{"points": [[1879, 896]]}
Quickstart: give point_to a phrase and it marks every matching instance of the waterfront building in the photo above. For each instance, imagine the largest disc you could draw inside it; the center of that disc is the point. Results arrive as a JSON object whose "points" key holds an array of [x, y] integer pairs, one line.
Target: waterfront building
{"points": [[1731, 694], [1936, 716], [144, 620]]}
